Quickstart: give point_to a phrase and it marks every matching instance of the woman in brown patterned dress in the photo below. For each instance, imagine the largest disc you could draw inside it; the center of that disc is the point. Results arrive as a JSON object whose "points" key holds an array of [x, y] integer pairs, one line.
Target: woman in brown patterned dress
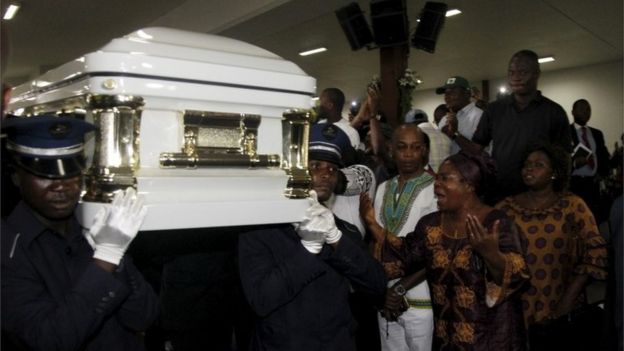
{"points": [[565, 249], [473, 259]]}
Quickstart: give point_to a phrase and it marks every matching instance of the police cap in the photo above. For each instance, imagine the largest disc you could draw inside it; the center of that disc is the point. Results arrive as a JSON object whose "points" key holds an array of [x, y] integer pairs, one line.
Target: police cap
{"points": [[47, 146]]}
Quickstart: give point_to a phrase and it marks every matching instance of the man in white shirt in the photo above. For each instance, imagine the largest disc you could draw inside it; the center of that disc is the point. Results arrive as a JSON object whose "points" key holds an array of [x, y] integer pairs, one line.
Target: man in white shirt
{"points": [[399, 204], [331, 103], [463, 114]]}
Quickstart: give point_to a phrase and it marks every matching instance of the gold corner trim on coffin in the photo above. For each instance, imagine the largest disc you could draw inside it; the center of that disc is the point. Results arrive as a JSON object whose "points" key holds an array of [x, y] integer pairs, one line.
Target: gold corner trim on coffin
{"points": [[295, 137]]}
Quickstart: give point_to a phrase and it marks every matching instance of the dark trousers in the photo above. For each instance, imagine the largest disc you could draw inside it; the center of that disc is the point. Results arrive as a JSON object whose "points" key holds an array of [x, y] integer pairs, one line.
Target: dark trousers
{"points": [[582, 330], [364, 313], [588, 188]]}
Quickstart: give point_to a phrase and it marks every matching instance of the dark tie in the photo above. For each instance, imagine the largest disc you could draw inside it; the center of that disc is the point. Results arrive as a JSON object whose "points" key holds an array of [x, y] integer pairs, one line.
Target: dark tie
{"points": [[590, 159]]}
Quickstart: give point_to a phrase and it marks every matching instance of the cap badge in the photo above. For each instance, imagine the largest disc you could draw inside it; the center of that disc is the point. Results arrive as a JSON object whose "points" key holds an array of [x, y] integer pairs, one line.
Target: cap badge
{"points": [[329, 132], [450, 80], [60, 130]]}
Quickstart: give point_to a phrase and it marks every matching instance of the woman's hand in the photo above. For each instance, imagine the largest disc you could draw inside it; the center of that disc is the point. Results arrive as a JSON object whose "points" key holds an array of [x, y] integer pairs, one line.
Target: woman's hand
{"points": [[484, 243], [568, 298]]}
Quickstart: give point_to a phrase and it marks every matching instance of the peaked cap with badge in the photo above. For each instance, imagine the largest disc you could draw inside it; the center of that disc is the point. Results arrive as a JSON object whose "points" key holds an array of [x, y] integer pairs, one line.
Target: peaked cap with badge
{"points": [[47, 146]]}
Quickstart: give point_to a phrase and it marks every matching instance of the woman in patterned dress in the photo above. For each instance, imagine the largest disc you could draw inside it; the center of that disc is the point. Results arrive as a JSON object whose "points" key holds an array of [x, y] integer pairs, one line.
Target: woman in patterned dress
{"points": [[565, 249], [473, 259]]}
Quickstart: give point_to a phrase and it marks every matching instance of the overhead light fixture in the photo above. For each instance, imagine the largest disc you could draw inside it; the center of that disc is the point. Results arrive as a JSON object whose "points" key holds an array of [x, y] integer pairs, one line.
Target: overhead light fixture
{"points": [[11, 11], [502, 90], [545, 59], [449, 13], [452, 12], [313, 51]]}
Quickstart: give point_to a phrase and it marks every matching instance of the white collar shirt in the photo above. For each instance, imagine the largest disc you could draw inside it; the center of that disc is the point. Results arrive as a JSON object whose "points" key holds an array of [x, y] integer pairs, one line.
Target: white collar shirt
{"points": [[586, 170]]}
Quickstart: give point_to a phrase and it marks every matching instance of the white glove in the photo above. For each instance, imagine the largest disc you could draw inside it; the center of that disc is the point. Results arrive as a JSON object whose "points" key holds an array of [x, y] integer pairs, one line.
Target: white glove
{"points": [[314, 247], [114, 228], [311, 240], [318, 225]]}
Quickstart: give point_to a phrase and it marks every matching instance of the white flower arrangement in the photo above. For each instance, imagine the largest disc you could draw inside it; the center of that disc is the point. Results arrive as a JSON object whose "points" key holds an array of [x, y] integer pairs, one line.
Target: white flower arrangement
{"points": [[375, 82], [407, 83], [409, 79]]}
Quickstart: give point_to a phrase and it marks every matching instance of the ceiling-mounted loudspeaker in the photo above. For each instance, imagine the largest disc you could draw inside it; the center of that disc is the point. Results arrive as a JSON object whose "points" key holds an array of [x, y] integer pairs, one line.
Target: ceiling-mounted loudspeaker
{"points": [[431, 21], [389, 20], [354, 26]]}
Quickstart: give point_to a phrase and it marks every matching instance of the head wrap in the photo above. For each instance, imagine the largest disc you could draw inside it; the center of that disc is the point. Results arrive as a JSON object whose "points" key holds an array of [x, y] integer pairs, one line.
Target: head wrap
{"points": [[478, 170]]}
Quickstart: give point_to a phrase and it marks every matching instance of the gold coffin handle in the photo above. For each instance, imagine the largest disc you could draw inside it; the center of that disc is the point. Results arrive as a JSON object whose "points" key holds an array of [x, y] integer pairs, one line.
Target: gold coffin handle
{"points": [[182, 160]]}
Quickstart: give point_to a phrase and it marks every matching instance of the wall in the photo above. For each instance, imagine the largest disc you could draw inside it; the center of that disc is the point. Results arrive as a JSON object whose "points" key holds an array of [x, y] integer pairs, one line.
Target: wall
{"points": [[600, 84]]}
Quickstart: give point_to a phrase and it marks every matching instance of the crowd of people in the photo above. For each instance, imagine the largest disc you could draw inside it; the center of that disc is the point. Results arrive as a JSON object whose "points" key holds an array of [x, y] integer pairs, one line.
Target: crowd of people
{"points": [[479, 230]]}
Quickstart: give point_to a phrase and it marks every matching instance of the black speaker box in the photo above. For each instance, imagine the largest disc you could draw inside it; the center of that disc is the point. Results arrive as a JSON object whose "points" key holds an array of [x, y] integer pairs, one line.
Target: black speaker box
{"points": [[389, 20], [431, 21], [354, 26]]}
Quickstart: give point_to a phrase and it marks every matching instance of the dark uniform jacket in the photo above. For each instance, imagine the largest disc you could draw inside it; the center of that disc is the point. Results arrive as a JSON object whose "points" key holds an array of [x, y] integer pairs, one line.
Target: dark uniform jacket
{"points": [[55, 298], [302, 300]]}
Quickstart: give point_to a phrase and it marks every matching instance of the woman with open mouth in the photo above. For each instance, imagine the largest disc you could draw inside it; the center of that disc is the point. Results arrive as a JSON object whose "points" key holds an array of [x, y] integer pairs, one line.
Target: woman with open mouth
{"points": [[473, 258]]}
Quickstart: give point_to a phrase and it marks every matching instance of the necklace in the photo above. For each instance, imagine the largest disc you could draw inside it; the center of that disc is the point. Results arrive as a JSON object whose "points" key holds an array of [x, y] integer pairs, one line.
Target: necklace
{"points": [[397, 202], [533, 202], [451, 230]]}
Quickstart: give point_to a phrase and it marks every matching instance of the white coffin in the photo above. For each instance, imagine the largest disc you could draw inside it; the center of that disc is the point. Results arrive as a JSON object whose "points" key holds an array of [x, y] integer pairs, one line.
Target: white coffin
{"points": [[174, 71]]}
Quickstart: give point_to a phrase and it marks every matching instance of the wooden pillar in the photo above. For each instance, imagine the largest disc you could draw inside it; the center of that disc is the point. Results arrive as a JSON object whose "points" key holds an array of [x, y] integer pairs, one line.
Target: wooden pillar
{"points": [[393, 62]]}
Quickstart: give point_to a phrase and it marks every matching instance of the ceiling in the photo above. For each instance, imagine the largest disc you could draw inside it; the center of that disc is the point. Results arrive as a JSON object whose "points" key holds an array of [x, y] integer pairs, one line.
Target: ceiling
{"points": [[476, 44]]}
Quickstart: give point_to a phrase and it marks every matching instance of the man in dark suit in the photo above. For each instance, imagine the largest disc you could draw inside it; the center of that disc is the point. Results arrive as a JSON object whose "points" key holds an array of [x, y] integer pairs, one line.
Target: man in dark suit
{"points": [[588, 170]]}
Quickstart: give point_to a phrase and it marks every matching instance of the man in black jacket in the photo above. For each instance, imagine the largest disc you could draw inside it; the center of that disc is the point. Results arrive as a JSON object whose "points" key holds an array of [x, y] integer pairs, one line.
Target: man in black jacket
{"points": [[297, 277], [65, 287]]}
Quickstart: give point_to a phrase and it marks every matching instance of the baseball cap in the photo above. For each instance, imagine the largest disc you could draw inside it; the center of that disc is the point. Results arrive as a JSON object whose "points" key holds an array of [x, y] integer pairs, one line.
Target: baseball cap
{"points": [[455, 81], [416, 116]]}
